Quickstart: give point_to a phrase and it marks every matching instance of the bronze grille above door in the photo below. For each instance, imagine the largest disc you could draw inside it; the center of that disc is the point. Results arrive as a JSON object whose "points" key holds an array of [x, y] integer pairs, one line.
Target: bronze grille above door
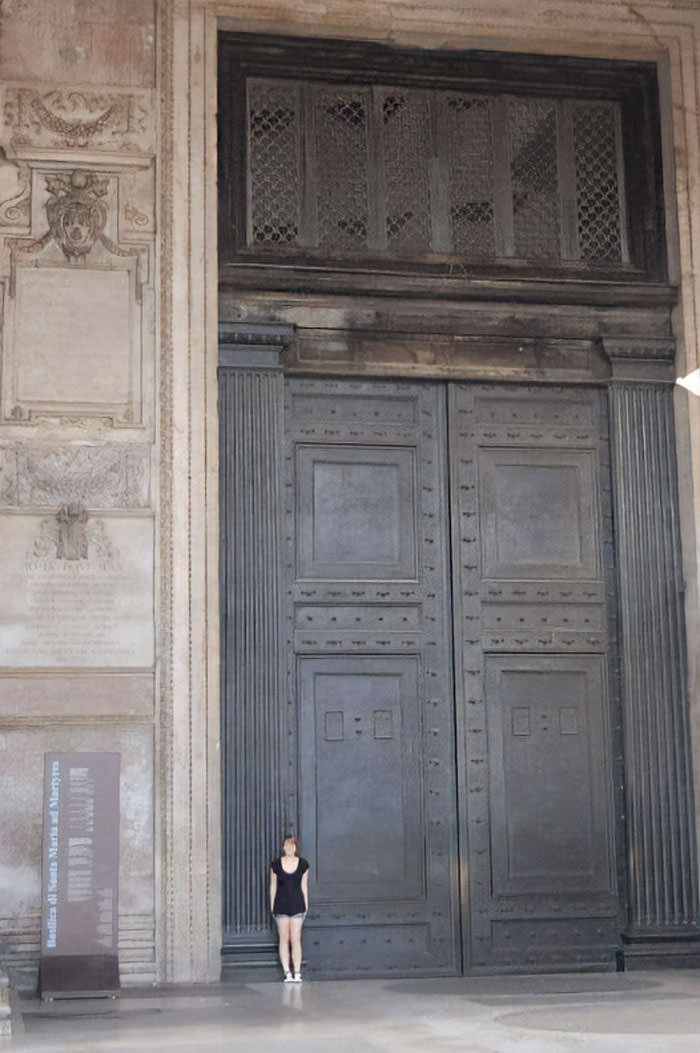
{"points": [[398, 162], [343, 169]]}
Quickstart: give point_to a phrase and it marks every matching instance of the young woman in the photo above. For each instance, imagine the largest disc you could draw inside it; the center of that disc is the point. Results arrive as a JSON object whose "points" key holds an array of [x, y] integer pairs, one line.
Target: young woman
{"points": [[289, 903]]}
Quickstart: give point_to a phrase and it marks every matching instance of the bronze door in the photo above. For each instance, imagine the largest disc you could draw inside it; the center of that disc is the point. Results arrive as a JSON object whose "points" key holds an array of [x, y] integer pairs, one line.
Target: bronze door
{"points": [[449, 740]]}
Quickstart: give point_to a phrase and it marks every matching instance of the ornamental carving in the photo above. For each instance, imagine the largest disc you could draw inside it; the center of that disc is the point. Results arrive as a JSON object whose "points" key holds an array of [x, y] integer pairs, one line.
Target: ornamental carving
{"points": [[77, 214], [71, 541], [96, 476], [77, 119], [14, 192], [76, 211], [71, 535]]}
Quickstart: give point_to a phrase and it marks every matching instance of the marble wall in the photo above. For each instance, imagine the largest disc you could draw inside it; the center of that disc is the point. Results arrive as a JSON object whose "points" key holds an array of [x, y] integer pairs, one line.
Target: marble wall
{"points": [[108, 442], [78, 490]]}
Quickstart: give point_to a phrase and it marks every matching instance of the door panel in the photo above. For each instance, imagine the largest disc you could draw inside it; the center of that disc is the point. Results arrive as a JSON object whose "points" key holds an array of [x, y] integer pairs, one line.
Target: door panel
{"points": [[371, 727], [537, 514], [532, 631], [352, 512], [360, 720], [548, 771]]}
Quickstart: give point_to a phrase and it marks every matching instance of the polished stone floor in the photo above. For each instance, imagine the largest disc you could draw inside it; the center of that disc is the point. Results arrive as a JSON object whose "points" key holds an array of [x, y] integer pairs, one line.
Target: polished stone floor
{"points": [[645, 1012]]}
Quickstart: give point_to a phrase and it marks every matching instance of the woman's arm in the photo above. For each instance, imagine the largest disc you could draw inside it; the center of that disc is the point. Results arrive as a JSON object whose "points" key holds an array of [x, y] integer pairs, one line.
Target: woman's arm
{"points": [[305, 888], [273, 889]]}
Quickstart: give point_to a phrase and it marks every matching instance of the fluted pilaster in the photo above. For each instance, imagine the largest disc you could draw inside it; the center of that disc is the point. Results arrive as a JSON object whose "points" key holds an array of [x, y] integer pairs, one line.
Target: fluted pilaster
{"points": [[662, 862], [251, 401]]}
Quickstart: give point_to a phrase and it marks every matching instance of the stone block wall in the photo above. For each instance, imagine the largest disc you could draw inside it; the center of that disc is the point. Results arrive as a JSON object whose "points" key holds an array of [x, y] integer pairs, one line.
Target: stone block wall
{"points": [[78, 490]]}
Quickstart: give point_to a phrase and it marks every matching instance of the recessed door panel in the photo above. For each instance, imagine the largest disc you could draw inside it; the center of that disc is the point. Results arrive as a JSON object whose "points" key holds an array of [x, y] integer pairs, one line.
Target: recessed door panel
{"points": [[548, 773], [356, 512], [360, 720], [538, 513]]}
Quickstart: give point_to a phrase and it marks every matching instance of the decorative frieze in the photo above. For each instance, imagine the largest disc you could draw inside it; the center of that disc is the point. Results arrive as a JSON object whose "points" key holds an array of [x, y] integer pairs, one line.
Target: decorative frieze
{"points": [[14, 193], [95, 476], [75, 118]]}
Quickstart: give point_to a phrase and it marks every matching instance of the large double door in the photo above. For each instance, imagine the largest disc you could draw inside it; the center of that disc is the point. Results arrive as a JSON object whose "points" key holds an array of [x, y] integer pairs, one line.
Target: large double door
{"points": [[449, 735]]}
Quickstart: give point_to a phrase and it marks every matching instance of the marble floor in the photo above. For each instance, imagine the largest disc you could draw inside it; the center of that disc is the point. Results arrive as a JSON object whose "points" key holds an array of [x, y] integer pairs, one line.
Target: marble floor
{"points": [[649, 1012]]}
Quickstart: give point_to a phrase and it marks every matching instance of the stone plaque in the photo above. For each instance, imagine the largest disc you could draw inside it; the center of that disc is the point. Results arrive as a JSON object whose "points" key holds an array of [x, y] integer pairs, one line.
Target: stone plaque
{"points": [[77, 590], [80, 885]]}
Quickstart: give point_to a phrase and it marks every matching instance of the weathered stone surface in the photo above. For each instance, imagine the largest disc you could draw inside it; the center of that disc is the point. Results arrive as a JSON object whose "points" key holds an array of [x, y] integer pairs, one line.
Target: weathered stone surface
{"points": [[83, 42], [46, 696], [77, 590], [21, 786]]}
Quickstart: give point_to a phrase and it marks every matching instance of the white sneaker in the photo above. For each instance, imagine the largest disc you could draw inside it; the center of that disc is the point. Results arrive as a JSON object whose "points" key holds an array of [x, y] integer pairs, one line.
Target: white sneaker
{"points": [[288, 978], [297, 978]]}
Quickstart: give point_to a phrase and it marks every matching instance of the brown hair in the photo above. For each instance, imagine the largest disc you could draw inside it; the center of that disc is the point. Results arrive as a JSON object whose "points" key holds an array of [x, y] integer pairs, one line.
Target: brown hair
{"points": [[295, 839]]}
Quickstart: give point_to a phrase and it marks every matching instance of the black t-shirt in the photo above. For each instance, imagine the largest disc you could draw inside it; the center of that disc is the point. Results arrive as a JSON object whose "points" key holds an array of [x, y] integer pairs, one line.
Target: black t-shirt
{"points": [[289, 899]]}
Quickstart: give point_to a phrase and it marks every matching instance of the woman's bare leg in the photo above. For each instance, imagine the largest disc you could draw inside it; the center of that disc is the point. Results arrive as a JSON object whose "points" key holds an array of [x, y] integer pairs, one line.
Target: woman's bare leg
{"points": [[283, 930], [295, 938]]}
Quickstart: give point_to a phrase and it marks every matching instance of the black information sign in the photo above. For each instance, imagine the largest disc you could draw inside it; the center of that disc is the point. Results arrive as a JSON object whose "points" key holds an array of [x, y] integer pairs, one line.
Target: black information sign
{"points": [[80, 889]]}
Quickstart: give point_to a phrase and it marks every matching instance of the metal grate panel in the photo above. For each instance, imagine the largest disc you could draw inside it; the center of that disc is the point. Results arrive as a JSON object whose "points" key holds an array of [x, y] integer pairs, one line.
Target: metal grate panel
{"points": [[356, 169], [341, 123], [596, 150], [274, 159], [532, 127], [470, 166], [406, 151]]}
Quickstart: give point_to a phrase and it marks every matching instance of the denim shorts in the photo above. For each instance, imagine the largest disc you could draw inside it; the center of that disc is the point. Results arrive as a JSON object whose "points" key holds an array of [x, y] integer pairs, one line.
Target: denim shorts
{"points": [[302, 915]]}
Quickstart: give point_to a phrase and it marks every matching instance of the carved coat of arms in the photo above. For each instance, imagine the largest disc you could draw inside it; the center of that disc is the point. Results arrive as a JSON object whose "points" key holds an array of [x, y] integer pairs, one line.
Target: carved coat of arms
{"points": [[77, 212]]}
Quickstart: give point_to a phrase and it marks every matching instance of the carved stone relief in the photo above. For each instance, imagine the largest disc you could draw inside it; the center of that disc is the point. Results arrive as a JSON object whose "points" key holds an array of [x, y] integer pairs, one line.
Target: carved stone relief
{"points": [[96, 476], [90, 286], [14, 193], [77, 119], [78, 207], [73, 536], [137, 194]]}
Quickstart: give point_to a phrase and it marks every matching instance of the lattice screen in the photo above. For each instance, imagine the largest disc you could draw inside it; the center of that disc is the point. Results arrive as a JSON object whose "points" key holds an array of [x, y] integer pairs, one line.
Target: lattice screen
{"points": [[470, 166], [406, 150], [274, 144], [376, 170], [596, 139], [532, 135]]}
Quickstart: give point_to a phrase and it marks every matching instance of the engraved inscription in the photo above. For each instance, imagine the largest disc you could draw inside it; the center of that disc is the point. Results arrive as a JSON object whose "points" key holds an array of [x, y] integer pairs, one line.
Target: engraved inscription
{"points": [[79, 593]]}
